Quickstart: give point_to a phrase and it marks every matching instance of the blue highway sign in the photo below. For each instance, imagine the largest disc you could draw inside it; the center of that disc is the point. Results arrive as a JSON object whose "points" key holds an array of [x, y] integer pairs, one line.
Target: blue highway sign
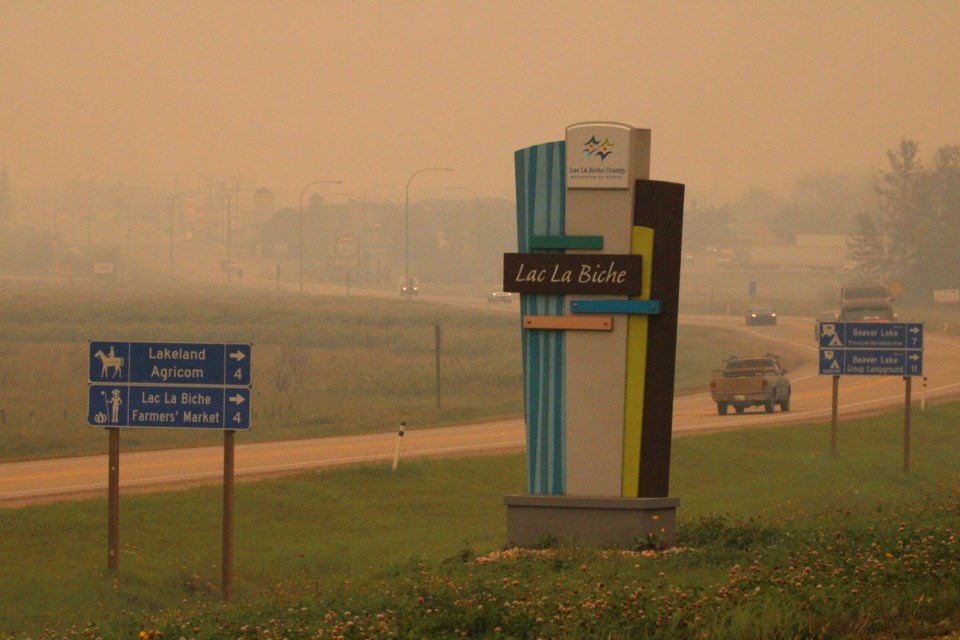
{"points": [[871, 348], [118, 405], [170, 363], [871, 335], [871, 362], [156, 384]]}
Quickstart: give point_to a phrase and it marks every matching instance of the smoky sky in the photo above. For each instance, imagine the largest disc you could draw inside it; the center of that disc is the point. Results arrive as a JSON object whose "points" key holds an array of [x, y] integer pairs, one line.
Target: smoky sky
{"points": [[277, 94]]}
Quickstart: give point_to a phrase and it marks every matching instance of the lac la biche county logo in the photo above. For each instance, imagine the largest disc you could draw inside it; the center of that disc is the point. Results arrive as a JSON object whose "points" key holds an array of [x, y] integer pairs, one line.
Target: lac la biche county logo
{"points": [[599, 155], [593, 148]]}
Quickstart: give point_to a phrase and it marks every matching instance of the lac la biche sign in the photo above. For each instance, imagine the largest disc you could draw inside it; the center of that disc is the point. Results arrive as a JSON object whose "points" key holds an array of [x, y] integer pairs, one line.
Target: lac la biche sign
{"points": [[576, 274]]}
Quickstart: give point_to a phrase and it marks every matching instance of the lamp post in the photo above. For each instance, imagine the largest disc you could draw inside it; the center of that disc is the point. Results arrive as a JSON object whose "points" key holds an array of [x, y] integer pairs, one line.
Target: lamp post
{"points": [[91, 187], [406, 223], [307, 186], [476, 199], [361, 258]]}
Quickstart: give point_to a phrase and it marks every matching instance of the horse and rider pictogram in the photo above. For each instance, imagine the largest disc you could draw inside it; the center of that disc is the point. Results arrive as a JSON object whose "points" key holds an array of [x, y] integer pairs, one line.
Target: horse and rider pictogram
{"points": [[110, 361]]}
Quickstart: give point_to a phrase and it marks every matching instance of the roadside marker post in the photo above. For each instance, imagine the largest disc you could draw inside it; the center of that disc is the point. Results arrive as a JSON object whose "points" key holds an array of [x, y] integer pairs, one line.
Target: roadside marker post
{"points": [[923, 394], [169, 385], [396, 451]]}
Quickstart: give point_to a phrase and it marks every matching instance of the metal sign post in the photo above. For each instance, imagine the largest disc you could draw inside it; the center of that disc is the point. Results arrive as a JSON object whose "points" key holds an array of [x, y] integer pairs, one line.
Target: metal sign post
{"points": [[908, 383], [227, 555], [835, 403], [436, 342], [113, 500]]}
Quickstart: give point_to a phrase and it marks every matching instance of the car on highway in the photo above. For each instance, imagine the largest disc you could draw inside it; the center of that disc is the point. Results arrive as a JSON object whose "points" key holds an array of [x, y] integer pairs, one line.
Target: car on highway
{"points": [[409, 287], [822, 317], [497, 294], [760, 314], [750, 382]]}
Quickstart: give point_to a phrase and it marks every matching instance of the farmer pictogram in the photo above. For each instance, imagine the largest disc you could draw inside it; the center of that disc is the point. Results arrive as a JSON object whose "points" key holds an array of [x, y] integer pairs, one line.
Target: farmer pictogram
{"points": [[113, 406]]}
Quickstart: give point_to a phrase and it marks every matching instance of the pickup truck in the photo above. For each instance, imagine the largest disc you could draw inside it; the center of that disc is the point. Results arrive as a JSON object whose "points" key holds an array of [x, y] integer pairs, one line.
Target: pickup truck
{"points": [[751, 382]]}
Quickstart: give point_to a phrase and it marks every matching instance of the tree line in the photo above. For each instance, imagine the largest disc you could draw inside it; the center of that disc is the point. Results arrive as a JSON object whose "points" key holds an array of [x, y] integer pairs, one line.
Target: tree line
{"points": [[911, 234], [902, 221]]}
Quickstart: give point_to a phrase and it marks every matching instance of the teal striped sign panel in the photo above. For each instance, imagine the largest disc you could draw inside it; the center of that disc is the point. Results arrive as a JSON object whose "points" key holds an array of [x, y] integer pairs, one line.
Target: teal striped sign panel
{"points": [[541, 203]]}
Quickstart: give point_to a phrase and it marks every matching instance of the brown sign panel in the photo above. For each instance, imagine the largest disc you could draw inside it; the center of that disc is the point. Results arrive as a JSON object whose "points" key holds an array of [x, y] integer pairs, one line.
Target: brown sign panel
{"points": [[572, 274], [659, 206]]}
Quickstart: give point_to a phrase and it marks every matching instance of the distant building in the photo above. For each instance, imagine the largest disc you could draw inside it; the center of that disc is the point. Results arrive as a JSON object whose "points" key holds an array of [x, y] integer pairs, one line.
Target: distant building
{"points": [[811, 251]]}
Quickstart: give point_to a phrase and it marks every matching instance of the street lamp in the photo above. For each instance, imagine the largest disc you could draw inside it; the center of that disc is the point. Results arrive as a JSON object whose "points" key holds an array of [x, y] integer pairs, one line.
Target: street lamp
{"points": [[406, 223], [463, 189], [361, 258], [476, 199], [307, 186]]}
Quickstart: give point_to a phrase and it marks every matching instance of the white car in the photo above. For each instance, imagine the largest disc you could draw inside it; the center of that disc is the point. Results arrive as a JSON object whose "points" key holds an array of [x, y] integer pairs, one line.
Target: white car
{"points": [[497, 294]]}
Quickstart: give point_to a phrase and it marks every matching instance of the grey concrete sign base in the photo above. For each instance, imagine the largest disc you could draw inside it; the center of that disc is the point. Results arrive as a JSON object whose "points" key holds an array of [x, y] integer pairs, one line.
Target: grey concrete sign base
{"points": [[533, 520]]}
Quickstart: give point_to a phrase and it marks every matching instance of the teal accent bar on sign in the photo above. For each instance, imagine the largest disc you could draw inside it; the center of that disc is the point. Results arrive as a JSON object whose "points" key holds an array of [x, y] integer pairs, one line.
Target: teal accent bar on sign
{"points": [[566, 242], [630, 307]]}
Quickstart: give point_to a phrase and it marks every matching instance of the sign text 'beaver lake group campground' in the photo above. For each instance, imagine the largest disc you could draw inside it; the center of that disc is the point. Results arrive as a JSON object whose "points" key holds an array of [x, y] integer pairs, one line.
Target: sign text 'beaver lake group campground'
{"points": [[153, 384]]}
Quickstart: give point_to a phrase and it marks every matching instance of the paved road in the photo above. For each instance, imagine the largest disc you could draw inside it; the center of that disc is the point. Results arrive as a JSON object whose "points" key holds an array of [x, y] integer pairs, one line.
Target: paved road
{"points": [[49, 480], [70, 478], [812, 393]]}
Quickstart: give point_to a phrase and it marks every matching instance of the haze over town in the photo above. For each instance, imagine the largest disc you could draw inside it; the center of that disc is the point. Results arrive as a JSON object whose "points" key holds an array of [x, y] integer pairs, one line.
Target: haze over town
{"points": [[737, 94]]}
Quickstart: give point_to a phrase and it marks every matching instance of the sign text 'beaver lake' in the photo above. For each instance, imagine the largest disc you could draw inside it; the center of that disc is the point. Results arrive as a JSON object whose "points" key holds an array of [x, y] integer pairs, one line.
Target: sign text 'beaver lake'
{"points": [[564, 273]]}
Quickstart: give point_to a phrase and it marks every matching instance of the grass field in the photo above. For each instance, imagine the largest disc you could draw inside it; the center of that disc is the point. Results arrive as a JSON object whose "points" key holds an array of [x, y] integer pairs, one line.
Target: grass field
{"points": [[778, 540], [321, 366]]}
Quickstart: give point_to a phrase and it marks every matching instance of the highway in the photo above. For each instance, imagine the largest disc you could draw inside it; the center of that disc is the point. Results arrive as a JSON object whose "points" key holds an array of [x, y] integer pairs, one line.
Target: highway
{"points": [[73, 478], [60, 479]]}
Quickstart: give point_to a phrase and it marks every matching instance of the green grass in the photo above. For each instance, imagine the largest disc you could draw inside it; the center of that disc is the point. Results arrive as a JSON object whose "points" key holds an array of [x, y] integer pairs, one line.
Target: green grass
{"points": [[321, 366], [782, 540]]}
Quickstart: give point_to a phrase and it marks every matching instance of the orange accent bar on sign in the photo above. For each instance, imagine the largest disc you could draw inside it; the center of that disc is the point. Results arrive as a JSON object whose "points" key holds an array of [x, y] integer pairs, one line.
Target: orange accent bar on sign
{"points": [[569, 323]]}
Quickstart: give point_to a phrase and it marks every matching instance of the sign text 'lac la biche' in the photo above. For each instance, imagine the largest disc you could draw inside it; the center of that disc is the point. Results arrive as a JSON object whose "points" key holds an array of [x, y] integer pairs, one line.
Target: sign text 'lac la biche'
{"points": [[576, 274]]}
